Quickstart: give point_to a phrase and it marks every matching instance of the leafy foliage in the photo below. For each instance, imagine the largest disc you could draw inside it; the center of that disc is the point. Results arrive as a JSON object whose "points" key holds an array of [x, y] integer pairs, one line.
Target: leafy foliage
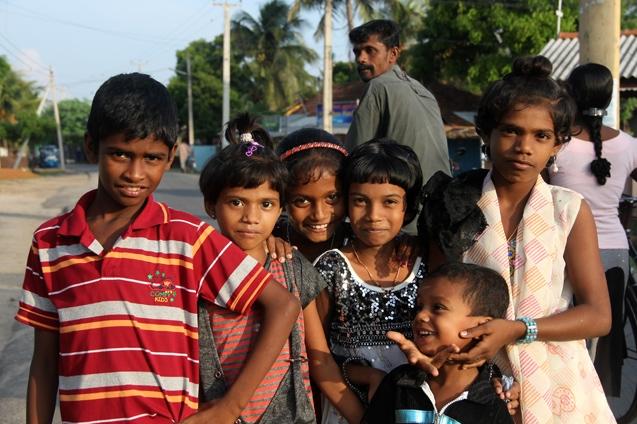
{"points": [[73, 117], [274, 51], [469, 43], [206, 60], [18, 104]]}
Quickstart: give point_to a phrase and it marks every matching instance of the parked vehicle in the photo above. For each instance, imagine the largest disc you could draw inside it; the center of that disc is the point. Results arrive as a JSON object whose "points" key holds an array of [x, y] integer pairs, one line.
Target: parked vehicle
{"points": [[49, 157]]}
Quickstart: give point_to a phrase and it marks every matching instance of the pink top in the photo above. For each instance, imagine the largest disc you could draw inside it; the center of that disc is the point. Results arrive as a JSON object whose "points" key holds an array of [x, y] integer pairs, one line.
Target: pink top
{"points": [[573, 163]]}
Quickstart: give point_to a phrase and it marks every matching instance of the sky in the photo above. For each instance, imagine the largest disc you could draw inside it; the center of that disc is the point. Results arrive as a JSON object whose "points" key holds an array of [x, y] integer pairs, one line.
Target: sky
{"points": [[85, 41]]}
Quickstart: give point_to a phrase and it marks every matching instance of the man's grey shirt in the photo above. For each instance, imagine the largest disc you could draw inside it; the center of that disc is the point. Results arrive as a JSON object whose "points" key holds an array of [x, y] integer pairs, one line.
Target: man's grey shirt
{"points": [[396, 106]]}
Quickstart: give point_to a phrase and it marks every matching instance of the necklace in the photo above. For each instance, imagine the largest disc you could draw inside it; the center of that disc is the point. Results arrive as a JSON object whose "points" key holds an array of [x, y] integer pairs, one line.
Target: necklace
{"points": [[386, 290]]}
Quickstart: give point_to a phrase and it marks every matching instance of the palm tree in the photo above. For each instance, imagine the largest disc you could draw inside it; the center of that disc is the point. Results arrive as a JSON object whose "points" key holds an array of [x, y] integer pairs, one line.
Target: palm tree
{"points": [[348, 8], [276, 52]]}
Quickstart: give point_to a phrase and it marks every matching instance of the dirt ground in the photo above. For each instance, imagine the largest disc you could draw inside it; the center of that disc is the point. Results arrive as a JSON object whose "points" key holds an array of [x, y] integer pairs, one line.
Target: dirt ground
{"points": [[15, 174]]}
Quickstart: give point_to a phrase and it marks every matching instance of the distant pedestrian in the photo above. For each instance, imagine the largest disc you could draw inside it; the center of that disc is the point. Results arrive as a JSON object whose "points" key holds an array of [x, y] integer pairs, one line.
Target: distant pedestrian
{"points": [[111, 287], [185, 150], [394, 105]]}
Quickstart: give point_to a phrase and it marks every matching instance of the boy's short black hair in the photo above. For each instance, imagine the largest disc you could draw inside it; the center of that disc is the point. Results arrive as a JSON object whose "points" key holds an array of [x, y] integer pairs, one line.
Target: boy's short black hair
{"points": [[134, 105], [387, 31], [382, 160], [484, 290]]}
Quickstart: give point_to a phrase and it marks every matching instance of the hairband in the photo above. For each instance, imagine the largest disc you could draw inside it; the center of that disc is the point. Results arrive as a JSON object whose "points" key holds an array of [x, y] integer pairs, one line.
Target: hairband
{"points": [[246, 137], [312, 145], [594, 111]]}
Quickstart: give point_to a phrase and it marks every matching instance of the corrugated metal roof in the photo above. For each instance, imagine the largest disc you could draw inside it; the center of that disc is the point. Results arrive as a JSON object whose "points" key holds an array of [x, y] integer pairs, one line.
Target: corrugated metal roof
{"points": [[563, 52]]}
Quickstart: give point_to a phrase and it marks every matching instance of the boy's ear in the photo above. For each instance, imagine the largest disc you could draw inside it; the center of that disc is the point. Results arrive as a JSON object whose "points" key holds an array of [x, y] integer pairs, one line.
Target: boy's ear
{"points": [[210, 209], [171, 156], [90, 149]]}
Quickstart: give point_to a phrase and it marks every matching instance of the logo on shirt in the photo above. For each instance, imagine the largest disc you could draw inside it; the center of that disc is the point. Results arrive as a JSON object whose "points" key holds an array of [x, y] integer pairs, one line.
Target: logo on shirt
{"points": [[162, 289]]}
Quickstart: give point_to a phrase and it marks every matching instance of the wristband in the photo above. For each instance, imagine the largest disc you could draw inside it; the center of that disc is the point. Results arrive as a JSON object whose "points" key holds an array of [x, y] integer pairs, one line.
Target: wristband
{"points": [[531, 330]]}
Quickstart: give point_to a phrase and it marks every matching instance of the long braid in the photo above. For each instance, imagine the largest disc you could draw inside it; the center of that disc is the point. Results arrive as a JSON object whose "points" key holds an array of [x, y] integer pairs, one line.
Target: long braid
{"points": [[600, 167], [591, 86]]}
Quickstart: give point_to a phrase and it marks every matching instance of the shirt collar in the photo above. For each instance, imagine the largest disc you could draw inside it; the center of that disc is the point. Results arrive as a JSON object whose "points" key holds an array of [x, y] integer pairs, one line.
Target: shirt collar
{"points": [[481, 391], [74, 224]]}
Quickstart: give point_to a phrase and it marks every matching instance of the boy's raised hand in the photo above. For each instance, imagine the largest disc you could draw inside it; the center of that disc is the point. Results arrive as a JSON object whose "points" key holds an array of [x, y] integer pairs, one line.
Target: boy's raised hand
{"points": [[417, 358]]}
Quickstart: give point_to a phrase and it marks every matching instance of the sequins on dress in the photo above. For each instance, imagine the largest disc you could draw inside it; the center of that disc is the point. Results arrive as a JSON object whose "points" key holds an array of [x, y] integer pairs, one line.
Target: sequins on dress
{"points": [[363, 313]]}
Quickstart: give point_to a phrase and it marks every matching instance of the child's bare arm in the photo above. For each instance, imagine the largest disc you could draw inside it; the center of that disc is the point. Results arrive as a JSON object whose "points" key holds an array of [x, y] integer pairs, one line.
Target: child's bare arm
{"points": [[280, 311], [589, 318], [325, 371], [43, 377]]}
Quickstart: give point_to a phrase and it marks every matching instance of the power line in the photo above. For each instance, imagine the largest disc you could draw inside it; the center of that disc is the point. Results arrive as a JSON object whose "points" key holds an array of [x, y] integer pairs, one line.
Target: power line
{"points": [[128, 35], [17, 54]]}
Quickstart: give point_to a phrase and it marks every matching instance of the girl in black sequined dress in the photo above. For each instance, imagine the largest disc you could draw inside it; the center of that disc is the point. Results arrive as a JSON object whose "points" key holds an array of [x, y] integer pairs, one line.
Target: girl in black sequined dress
{"points": [[370, 291]]}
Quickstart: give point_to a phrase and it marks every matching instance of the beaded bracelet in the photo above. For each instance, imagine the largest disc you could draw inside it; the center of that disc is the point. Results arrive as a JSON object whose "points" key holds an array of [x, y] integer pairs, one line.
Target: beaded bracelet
{"points": [[357, 359], [531, 330]]}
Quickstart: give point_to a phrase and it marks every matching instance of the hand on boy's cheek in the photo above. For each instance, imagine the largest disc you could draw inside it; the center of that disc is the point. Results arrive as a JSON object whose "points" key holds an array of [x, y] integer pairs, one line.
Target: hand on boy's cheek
{"points": [[417, 358], [489, 338]]}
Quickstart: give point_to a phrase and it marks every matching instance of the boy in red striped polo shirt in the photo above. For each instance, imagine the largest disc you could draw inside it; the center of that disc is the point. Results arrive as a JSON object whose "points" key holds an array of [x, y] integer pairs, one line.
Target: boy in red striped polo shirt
{"points": [[111, 287]]}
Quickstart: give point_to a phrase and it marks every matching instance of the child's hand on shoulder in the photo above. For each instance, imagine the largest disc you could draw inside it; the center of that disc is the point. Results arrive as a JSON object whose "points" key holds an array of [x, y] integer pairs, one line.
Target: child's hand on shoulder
{"points": [[415, 357], [489, 337], [278, 248]]}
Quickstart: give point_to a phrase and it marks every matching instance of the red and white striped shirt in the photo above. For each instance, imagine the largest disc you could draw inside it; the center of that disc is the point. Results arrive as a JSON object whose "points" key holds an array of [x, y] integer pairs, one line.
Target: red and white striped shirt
{"points": [[127, 318]]}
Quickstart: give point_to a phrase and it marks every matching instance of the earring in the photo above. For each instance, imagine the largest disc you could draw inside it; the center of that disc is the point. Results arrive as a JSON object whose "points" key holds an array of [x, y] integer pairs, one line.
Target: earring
{"points": [[554, 167]]}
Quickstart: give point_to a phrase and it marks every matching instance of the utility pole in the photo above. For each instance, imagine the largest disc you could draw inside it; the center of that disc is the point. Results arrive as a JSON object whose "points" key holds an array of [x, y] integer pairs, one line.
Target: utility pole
{"points": [[38, 113], [327, 68], [191, 125], [559, 15], [599, 38], [56, 115], [225, 110]]}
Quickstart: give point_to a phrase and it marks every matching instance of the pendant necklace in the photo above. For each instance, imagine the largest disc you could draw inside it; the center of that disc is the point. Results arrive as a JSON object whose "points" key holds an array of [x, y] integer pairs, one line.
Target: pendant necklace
{"points": [[387, 291]]}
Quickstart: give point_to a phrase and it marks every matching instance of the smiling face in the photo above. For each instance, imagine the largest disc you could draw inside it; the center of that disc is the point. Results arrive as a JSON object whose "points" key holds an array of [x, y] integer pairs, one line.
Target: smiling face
{"points": [[522, 143], [374, 58], [441, 314], [247, 216], [316, 208], [129, 171], [376, 212]]}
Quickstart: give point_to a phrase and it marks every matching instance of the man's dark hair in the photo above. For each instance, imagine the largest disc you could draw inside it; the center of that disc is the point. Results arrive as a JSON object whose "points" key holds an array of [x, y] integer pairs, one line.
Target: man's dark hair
{"points": [[382, 160], [387, 31], [483, 289], [134, 105]]}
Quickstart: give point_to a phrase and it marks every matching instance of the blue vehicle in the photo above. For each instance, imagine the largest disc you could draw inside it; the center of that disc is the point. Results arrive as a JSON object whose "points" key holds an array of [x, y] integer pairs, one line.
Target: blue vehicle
{"points": [[49, 157]]}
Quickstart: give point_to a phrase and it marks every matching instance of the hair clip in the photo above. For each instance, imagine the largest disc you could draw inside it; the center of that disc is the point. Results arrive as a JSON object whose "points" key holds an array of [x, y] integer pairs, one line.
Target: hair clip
{"points": [[246, 137], [594, 111], [251, 149]]}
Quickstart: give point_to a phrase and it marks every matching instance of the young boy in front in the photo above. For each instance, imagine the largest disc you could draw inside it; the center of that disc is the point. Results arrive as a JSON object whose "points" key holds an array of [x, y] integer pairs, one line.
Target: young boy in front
{"points": [[111, 287], [454, 297]]}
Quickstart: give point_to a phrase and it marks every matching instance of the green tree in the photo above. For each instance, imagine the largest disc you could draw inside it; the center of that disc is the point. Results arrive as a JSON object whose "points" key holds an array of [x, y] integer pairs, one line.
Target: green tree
{"points": [[347, 8], [206, 60], [73, 117], [470, 43], [18, 104], [344, 72], [275, 54]]}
